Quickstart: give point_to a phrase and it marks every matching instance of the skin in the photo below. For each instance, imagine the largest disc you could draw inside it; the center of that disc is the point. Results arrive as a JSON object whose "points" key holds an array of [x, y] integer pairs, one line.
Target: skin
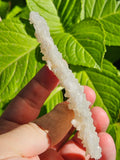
{"points": [[24, 137]]}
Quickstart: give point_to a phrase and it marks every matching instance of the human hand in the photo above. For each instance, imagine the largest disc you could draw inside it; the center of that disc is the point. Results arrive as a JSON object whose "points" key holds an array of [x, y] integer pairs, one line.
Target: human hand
{"points": [[23, 137]]}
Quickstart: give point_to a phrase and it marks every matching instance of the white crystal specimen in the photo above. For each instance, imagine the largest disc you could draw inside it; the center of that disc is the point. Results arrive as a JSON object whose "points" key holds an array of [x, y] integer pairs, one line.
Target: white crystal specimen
{"points": [[74, 91]]}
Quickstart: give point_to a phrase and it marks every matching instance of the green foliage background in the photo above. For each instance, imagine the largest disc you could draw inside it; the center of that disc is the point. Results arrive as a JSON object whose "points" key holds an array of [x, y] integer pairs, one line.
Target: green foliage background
{"points": [[86, 32]]}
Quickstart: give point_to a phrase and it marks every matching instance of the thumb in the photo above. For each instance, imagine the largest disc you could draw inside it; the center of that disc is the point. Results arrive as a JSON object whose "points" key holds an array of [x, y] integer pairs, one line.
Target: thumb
{"points": [[30, 140], [25, 141]]}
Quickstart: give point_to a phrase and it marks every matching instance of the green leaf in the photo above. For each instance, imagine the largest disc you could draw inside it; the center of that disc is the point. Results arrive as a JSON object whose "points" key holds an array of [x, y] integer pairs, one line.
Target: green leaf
{"points": [[68, 11], [114, 130], [90, 36], [55, 97], [80, 44], [16, 10], [19, 54], [47, 10], [83, 45], [4, 7], [106, 84], [25, 13], [1, 111], [108, 13]]}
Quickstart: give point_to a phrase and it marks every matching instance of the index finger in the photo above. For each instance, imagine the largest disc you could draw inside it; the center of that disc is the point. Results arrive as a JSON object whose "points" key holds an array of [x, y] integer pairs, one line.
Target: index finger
{"points": [[26, 106]]}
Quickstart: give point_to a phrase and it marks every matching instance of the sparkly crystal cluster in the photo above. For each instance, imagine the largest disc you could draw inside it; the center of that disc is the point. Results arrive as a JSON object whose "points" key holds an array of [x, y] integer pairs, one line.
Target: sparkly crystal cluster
{"points": [[74, 91]]}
